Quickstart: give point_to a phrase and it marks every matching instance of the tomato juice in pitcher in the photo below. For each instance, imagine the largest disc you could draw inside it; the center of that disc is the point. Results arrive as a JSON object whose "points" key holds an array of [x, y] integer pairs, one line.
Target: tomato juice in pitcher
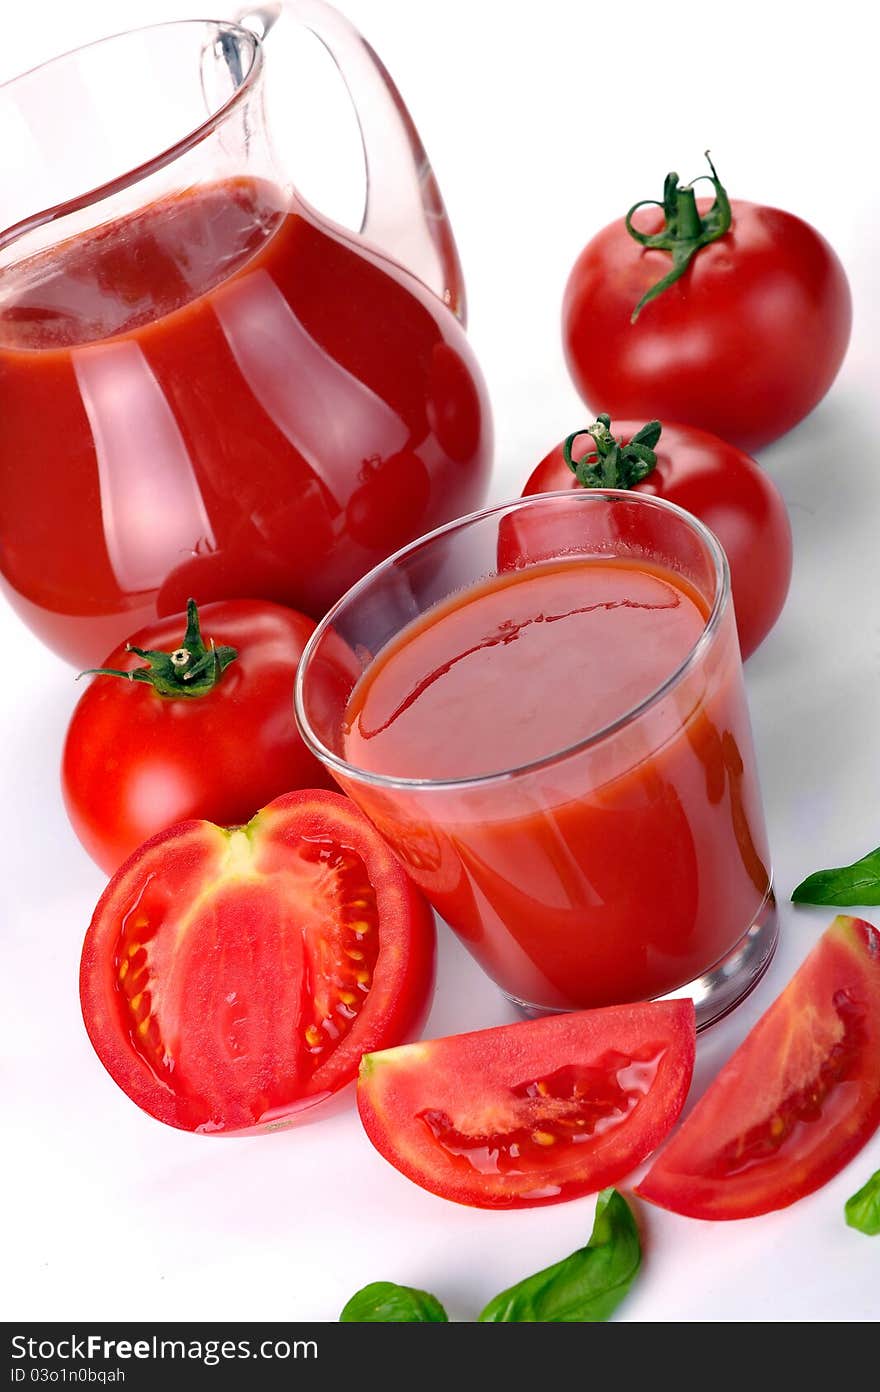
{"points": [[216, 392]]}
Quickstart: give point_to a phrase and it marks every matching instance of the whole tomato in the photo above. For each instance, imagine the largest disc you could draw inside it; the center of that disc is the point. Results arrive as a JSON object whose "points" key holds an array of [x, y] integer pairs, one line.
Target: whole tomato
{"points": [[204, 730], [730, 316], [707, 477]]}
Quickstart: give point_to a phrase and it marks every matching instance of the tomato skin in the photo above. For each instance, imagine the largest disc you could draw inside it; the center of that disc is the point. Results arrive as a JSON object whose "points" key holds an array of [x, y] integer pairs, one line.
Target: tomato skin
{"points": [[820, 1037], [478, 1079], [745, 344], [190, 864], [135, 762], [727, 491]]}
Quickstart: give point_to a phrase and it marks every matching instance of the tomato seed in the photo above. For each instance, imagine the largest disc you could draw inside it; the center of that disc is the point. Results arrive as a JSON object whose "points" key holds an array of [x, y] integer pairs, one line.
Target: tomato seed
{"points": [[575, 1100], [770, 1135], [342, 968]]}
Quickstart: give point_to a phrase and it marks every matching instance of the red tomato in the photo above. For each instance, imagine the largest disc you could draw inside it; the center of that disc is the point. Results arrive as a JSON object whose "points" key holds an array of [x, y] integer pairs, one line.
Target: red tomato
{"points": [[797, 1100], [232, 979], [136, 761], [726, 490], [744, 344], [531, 1113]]}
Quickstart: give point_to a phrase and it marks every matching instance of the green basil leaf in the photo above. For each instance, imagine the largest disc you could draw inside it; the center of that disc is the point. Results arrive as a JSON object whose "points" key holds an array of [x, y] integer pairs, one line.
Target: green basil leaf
{"points": [[863, 1209], [586, 1287], [383, 1302], [848, 884]]}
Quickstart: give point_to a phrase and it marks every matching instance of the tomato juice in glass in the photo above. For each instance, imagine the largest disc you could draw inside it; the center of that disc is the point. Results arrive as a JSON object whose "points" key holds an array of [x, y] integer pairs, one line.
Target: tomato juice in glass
{"points": [[541, 708]]}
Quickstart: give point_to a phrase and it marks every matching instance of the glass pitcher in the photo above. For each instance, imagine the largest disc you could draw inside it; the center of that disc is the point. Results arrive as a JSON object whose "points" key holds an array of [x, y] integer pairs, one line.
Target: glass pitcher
{"points": [[207, 388]]}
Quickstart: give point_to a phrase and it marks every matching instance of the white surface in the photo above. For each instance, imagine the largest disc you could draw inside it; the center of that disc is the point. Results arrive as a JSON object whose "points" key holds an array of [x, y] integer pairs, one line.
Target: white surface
{"points": [[543, 122]]}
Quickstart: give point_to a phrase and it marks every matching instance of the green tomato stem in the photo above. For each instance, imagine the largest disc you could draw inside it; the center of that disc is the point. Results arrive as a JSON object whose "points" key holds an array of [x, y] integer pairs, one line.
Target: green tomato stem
{"points": [[191, 670], [610, 464], [685, 231]]}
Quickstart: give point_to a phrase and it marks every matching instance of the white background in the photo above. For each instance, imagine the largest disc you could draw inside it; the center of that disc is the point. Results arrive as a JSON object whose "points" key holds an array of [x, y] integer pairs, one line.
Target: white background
{"points": [[544, 122]]}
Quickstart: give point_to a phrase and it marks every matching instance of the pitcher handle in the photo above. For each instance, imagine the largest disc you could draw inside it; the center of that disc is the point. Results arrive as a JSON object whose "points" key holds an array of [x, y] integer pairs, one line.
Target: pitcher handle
{"points": [[404, 213]]}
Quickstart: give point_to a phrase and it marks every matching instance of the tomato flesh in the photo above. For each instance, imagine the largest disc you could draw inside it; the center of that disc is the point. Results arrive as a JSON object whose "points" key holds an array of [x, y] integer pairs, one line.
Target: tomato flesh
{"points": [[562, 1110], [535, 1112], [232, 978], [796, 1101]]}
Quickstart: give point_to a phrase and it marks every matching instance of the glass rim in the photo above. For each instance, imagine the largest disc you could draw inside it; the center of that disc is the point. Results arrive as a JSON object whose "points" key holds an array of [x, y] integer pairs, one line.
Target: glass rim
{"points": [[335, 762], [11, 234]]}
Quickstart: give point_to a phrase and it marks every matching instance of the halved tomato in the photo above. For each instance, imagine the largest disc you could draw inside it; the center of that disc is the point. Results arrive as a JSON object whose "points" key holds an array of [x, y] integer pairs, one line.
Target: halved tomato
{"points": [[231, 979], [796, 1101], [532, 1113]]}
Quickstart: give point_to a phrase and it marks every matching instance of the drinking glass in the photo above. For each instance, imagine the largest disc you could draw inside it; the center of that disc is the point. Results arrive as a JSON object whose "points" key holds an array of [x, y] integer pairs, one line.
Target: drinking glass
{"points": [[630, 865]]}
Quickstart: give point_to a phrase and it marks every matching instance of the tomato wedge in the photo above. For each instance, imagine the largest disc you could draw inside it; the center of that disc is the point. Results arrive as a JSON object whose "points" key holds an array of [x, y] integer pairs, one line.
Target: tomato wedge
{"points": [[796, 1101], [532, 1113], [232, 978]]}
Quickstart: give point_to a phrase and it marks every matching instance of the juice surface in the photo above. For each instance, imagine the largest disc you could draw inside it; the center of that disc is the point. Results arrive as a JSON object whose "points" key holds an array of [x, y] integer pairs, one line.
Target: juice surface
{"points": [[624, 868], [137, 269], [520, 668], [194, 402]]}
